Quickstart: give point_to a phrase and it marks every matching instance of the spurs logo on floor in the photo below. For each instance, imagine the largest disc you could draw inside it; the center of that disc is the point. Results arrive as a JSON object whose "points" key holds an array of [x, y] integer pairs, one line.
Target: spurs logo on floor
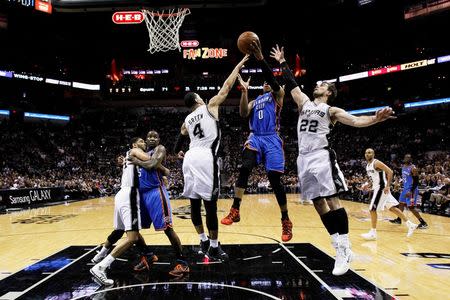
{"points": [[44, 219]]}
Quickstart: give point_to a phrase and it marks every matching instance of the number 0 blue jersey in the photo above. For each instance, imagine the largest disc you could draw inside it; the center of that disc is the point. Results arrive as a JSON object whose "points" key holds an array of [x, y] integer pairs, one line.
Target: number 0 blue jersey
{"points": [[265, 115]]}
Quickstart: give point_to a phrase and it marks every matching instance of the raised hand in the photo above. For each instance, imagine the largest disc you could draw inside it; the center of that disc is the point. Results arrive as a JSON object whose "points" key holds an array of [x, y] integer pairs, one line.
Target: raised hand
{"points": [[240, 65], [278, 54], [242, 83]]}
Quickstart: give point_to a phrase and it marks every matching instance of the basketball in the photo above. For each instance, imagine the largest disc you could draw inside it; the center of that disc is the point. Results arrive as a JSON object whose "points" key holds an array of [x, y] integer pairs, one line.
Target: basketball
{"points": [[244, 41]]}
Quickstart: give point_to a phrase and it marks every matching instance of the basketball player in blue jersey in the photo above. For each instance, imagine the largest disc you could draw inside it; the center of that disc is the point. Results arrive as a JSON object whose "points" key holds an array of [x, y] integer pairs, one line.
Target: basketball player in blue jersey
{"points": [[320, 178], [155, 203], [410, 192], [264, 143]]}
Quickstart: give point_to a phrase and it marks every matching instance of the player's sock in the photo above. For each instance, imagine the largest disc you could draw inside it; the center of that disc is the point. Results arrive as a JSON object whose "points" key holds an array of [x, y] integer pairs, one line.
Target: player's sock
{"points": [[106, 262], [214, 243], [203, 237], [103, 251], [284, 215], [341, 218], [421, 220], [236, 203], [329, 223]]}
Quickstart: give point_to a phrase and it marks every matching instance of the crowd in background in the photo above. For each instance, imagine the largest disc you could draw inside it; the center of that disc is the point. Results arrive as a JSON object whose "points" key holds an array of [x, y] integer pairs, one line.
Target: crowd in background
{"points": [[81, 155]]}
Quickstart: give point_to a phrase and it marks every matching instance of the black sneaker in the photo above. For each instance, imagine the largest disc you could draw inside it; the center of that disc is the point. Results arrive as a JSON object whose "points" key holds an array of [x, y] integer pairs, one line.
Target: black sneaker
{"points": [[204, 245], [423, 225], [396, 221], [216, 253]]}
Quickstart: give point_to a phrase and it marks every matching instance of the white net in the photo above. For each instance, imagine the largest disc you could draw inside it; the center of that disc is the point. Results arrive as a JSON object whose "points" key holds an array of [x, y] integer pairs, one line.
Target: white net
{"points": [[164, 27]]}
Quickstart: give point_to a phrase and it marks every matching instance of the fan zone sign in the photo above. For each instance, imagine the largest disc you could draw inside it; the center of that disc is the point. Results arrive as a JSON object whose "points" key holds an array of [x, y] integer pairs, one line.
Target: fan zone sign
{"points": [[205, 53]]}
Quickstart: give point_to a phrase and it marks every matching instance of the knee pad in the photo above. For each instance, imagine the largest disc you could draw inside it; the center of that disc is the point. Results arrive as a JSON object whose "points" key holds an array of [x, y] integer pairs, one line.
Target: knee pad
{"points": [[115, 236]]}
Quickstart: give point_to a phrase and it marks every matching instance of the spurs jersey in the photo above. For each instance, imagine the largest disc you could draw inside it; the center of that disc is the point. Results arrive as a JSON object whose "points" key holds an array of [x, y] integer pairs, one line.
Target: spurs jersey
{"points": [[378, 177], [203, 129], [130, 175], [313, 127]]}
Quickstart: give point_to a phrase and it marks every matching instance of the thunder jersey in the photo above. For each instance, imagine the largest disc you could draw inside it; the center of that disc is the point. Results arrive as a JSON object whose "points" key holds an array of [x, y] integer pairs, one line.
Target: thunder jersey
{"points": [[378, 177], [265, 115], [149, 179], [314, 126], [129, 173], [203, 129], [407, 176]]}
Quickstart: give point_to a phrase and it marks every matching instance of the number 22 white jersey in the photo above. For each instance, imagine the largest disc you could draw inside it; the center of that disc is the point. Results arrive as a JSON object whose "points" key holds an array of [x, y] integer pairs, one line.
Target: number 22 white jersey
{"points": [[314, 126], [203, 129]]}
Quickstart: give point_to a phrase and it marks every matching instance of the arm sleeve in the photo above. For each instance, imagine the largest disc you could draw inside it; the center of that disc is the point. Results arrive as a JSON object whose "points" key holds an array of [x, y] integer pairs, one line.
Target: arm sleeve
{"points": [[268, 76], [288, 77], [179, 143]]}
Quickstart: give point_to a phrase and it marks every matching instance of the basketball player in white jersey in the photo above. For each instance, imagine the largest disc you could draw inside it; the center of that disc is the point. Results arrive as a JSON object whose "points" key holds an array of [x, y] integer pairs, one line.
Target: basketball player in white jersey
{"points": [[320, 178], [381, 177], [126, 210], [200, 167]]}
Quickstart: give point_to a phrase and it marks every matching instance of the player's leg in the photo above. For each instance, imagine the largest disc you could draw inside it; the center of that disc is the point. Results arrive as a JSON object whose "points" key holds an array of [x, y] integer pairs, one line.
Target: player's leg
{"points": [[280, 194], [344, 253], [196, 218], [373, 206], [115, 235], [147, 258], [402, 204], [249, 161], [128, 213], [215, 250]]}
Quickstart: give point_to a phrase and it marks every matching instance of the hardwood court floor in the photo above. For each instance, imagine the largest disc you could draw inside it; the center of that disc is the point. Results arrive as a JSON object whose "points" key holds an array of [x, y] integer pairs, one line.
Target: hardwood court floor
{"points": [[32, 235]]}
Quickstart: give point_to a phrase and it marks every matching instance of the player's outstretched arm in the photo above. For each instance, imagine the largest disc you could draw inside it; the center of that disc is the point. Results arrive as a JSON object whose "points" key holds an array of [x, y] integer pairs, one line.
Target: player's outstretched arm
{"points": [[244, 106], [154, 161], [340, 115], [227, 85], [291, 85], [267, 72]]}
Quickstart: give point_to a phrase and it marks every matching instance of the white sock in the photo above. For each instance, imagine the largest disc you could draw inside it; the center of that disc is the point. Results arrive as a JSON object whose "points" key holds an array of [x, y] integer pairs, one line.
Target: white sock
{"points": [[334, 239], [106, 262], [203, 237], [344, 241], [374, 230], [103, 251], [214, 243]]}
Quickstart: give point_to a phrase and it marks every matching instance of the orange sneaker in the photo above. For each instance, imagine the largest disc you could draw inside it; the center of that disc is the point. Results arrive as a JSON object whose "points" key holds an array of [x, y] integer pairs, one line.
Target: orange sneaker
{"points": [[286, 233], [233, 216], [145, 263], [181, 269]]}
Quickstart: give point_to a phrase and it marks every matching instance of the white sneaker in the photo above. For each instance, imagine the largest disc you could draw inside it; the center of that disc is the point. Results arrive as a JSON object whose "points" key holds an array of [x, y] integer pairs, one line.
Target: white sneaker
{"points": [[98, 258], [100, 274], [343, 258], [370, 236], [411, 228]]}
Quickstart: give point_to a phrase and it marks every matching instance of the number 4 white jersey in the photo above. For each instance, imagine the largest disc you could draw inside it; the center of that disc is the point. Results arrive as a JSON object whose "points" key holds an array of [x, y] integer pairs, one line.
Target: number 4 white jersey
{"points": [[314, 126], [203, 129]]}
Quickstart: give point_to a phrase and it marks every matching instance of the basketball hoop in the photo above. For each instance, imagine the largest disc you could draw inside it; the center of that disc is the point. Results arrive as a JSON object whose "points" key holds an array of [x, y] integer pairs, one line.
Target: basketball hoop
{"points": [[164, 27]]}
